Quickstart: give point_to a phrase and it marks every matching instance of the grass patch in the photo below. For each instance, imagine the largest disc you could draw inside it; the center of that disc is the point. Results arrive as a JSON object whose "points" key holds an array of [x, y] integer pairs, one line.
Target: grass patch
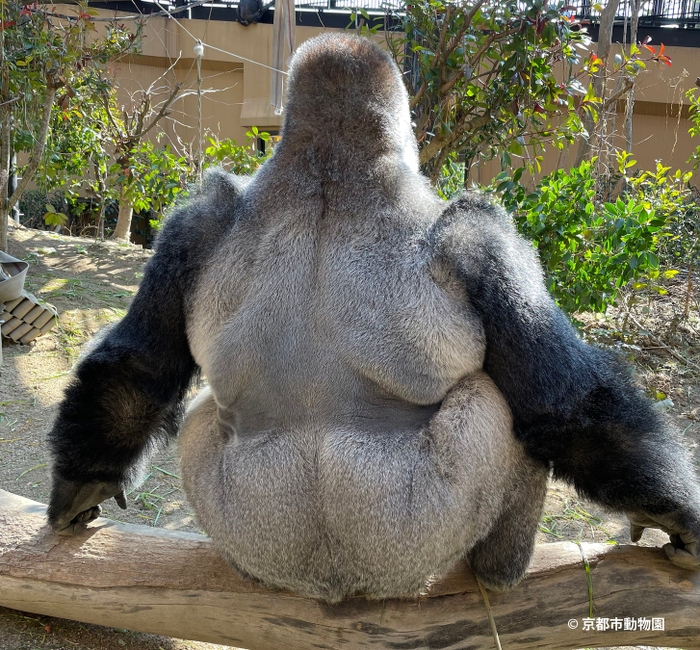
{"points": [[573, 514]]}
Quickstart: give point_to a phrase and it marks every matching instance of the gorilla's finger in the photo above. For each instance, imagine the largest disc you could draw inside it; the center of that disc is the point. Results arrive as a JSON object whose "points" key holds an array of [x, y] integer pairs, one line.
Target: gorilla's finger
{"points": [[78, 523], [121, 500], [89, 515], [682, 558], [636, 531]]}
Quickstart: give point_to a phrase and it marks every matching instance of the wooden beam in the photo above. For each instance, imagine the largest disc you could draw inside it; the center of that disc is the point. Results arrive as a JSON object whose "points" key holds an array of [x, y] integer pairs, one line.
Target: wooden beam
{"points": [[163, 582]]}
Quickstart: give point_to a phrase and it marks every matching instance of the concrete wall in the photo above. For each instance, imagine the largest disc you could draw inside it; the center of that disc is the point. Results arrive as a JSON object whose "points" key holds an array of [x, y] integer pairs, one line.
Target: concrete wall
{"points": [[236, 93]]}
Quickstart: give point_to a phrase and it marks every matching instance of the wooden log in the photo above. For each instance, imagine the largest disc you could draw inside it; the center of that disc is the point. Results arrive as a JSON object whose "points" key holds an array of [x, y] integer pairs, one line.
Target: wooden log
{"points": [[163, 582]]}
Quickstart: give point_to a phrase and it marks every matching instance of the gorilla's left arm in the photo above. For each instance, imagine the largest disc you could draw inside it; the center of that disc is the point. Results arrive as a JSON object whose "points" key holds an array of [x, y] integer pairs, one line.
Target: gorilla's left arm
{"points": [[126, 395], [574, 406]]}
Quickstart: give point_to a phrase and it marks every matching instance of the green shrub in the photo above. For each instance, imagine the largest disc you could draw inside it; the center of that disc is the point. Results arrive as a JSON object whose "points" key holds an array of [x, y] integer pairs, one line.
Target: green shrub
{"points": [[32, 205], [588, 250], [670, 195]]}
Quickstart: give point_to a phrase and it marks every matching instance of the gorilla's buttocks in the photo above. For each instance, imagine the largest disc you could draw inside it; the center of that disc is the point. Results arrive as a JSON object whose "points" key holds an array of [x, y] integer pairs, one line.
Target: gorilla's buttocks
{"points": [[389, 381]]}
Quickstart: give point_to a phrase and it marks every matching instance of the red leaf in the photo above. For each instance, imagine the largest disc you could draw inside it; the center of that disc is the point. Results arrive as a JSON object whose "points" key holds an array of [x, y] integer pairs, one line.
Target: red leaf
{"points": [[647, 39], [661, 49], [650, 48], [539, 109]]}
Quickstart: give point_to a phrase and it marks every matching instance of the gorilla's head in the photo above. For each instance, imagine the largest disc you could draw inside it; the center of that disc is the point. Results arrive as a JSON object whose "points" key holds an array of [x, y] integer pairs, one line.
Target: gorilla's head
{"points": [[345, 95]]}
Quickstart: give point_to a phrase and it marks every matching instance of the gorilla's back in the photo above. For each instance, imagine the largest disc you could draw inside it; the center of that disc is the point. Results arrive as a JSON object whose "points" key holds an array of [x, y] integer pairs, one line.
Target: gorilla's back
{"points": [[329, 347], [326, 317], [349, 441]]}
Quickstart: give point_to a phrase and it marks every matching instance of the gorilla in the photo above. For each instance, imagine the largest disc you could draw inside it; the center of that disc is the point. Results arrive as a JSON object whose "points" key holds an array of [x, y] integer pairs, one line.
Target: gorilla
{"points": [[389, 382], [252, 11]]}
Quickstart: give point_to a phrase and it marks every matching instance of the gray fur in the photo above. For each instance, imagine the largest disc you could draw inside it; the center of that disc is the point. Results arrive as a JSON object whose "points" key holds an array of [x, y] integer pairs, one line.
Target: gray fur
{"points": [[350, 443]]}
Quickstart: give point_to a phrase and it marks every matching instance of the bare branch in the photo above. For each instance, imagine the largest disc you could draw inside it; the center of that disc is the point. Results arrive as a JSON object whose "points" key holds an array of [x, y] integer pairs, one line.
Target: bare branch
{"points": [[151, 89], [161, 114]]}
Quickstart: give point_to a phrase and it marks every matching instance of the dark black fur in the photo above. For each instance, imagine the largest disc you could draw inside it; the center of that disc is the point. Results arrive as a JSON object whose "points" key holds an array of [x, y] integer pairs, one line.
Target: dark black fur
{"points": [[126, 397], [574, 406], [251, 11]]}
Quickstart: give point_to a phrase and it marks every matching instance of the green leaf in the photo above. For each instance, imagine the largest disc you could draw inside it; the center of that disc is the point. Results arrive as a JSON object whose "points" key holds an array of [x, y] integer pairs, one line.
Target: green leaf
{"points": [[55, 219]]}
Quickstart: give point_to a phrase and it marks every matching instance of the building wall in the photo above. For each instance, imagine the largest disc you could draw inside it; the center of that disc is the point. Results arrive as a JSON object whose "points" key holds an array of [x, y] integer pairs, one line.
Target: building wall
{"points": [[236, 91]]}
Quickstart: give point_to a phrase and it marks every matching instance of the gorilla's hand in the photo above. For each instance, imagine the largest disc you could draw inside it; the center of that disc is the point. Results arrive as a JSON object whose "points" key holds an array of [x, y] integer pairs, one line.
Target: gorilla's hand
{"points": [[684, 548], [74, 505]]}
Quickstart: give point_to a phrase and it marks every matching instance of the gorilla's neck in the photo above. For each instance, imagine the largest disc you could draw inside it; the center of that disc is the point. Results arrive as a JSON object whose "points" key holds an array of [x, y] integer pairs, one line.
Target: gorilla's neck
{"points": [[352, 140]]}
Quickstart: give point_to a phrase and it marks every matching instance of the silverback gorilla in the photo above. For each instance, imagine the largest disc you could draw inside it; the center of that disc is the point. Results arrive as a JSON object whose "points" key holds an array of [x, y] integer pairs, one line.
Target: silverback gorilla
{"points": [[389, 382]]}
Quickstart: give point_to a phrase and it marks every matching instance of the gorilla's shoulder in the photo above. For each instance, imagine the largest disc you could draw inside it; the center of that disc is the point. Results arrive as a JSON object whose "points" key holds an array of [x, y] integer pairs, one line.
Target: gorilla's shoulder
{"points": [[473, 219], [200, 222], [474, 207]]}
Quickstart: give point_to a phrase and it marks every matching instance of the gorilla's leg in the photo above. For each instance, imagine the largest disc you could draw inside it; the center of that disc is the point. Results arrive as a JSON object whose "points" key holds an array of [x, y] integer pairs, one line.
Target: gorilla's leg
{"points": [[379, 512], [253, 495], [500, 560], [504, 488], [201, 448]]}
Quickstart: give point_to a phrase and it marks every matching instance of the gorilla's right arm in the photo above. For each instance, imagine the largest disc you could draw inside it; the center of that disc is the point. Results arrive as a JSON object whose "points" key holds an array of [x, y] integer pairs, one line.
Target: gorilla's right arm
{"points": [[574, 406], [127, 393]]}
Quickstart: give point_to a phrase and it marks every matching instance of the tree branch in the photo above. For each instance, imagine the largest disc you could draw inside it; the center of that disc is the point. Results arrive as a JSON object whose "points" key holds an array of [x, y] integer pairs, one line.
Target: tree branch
{"points": [[39, 142], [178, 585], [607, 20], [628, 84], [119, 134], [161, 114], [433, 148]]}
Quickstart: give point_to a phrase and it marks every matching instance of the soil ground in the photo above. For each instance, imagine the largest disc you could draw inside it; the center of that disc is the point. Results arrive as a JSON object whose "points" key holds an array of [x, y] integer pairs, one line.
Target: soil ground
{"points": [[91, 284]]}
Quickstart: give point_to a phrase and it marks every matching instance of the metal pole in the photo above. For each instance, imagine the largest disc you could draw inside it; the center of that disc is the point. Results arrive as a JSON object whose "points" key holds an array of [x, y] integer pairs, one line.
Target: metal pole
{"points": [[12, 186]]}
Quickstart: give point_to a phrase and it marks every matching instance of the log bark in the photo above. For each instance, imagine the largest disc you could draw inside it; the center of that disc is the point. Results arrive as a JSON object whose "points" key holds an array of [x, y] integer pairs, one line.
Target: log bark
{"points": [[171, 583]]}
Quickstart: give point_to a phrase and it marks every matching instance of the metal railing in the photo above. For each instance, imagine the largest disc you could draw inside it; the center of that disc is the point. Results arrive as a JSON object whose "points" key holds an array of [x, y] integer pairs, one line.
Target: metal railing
{"points": [[324, 5], [681, 13], [653, 13]]}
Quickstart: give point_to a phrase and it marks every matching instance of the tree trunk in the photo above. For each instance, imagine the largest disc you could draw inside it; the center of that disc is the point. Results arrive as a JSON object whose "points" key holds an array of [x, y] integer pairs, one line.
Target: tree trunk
{"points": [[5, 158], [163, 582], [5, 162], [126, 211], [635, 6], [35, 155], [607, 20]]}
